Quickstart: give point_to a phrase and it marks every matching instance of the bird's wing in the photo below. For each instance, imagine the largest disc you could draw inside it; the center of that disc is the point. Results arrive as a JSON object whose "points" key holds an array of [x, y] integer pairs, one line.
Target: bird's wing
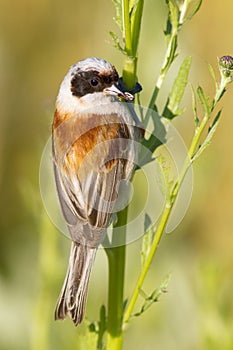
{"points": [[89, 172]]}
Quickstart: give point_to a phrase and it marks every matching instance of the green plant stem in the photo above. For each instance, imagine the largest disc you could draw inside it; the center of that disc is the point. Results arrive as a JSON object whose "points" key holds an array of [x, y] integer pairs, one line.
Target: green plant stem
{"points": [[197, 136], [116, 255], [148, 261], [170, 203], [169, 57], [129, 66], [160, 80], [191, 152], [136, 26], [116, 263], [198, 133], [131, 33], [127, 27], [158, 85], [159, 232], [220, 90], [129, 72]]}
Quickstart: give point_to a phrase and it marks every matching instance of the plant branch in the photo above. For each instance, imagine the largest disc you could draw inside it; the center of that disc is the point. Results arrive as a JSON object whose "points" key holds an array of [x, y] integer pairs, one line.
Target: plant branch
{"points": [[176, 19], [147, 263], [131, 32], [116, 255], [116, 263], [172, 196]]}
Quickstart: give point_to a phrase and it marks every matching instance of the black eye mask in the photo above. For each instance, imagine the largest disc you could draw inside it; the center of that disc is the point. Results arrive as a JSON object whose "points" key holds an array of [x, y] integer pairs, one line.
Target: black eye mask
{"points": [[88, 82]]}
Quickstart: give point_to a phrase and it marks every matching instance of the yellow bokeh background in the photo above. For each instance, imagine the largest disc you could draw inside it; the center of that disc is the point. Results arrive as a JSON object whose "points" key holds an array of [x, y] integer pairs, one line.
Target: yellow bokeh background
{"points": [[39, 40]]}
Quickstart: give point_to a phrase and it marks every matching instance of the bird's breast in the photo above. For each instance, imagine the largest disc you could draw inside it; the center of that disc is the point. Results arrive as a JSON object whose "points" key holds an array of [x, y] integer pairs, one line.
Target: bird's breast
{"points": [[88, 140]]}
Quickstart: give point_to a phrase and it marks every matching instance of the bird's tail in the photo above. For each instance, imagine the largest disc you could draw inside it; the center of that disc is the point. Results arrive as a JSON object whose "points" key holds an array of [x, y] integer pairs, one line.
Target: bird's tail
{"points": [[72, 300]]}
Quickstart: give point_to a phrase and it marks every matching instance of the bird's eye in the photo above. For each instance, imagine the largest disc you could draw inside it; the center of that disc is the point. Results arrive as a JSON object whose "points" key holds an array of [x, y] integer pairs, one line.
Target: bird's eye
{"points": [[94, 82]]}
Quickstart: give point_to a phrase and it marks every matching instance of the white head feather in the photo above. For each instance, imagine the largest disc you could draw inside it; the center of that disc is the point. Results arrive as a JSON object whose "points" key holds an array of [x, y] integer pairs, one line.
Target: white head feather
{"points": [[66, 102]]}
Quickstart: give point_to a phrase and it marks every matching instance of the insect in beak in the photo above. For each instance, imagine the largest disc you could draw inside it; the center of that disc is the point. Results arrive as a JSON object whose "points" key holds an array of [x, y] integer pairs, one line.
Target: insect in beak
{"points": [[114, 91]]}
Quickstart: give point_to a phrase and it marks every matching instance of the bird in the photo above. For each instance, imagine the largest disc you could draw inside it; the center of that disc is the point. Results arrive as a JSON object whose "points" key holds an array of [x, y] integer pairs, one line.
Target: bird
{"points": [[94, 146]]}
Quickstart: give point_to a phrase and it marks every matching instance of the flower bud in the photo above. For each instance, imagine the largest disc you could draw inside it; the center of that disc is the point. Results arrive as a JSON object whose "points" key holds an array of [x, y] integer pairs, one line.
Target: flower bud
{"points": [[226, 62], [226, 73]]}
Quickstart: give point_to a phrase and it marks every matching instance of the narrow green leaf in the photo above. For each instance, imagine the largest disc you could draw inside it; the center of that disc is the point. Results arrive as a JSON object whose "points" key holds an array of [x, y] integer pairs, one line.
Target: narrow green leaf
{"points": [[168, 30], [173, 13], [102, 327], [163, 176], [136, 18], [147, 222], [195, 9], [208, 138], [118, 18], [172, 55], [147, 239], [216, 119], [172, 19], [153, 297], [194, 105], [162, 289], [212, 72], [133, 6], [204, 101], [116, 42], [172, 108]]}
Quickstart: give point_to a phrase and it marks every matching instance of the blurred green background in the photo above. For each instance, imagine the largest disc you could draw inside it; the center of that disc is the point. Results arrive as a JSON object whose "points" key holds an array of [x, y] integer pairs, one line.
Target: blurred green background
{"points": [[39, 40]]}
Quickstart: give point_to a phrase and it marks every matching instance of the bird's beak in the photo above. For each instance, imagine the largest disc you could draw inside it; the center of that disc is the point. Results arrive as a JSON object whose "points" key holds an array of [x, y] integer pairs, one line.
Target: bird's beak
{"points": [[114, 91]]}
